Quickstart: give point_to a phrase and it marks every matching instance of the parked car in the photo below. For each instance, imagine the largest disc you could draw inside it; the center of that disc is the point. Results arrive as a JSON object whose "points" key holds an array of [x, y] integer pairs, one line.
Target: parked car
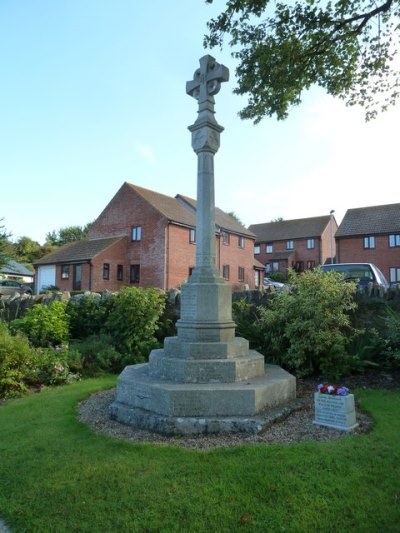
{"points": [[8, 287], [362, 273], [268, 282]]}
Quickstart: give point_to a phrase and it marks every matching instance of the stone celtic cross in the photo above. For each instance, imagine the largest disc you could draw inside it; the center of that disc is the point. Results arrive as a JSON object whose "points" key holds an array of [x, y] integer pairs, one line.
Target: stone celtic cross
{"points": [[207, 80]]}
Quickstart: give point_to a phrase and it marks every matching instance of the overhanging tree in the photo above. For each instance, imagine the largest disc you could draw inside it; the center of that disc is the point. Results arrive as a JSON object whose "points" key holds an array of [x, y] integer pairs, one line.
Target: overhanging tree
{"points": [[4, 256], [348, 47]]}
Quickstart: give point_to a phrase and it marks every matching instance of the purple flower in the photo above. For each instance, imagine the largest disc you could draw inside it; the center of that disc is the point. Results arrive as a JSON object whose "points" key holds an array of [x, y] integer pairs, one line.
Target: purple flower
{"points": [[320, 386], [343, 391]]}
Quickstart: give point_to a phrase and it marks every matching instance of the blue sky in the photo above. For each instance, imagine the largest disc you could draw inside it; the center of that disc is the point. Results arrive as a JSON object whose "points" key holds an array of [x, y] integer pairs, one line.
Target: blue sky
{"points": [[92, 94]]}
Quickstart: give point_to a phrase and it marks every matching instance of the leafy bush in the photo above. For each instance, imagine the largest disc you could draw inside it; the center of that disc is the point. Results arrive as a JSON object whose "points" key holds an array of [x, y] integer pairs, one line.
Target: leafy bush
{"points": [[94, 355], [392, 338], [277, 276], [51, 367], [307, 329], [132, 321], [87, 315], [247, 319], [44, 325], [17, 359]]}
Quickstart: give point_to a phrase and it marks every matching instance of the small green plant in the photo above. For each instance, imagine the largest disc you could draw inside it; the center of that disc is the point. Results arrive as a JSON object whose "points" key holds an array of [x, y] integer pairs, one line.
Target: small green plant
{"points": [[392, 337], [17, 359], [133, 320], [87, 315], [95, 355], [51, 367], [44, 325], [307, 329]]}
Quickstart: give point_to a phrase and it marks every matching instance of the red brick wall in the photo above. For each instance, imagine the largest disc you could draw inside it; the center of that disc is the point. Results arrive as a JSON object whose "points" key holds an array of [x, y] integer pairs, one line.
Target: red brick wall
{"points": [[236, 257], [128, 209], [181, 255], [92, 272], [351, 250], [300, 253], [327, 242]]}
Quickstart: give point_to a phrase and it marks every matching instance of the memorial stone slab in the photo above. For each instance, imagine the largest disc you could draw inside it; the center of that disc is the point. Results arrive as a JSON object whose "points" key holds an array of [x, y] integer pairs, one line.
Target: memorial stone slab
{"points": [[335, 411]]}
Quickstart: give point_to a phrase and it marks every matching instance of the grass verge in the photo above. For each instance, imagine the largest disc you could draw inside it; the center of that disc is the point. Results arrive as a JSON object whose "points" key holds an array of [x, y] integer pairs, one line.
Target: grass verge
{"points": [[57, 475]]}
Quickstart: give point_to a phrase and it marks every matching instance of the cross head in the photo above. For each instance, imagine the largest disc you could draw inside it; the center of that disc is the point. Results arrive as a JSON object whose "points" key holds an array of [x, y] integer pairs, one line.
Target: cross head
{"points": [[207, 79]]}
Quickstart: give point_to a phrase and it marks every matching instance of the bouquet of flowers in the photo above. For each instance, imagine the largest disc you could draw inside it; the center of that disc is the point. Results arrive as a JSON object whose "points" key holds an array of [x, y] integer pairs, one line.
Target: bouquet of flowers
{"points": [[333, 390]]}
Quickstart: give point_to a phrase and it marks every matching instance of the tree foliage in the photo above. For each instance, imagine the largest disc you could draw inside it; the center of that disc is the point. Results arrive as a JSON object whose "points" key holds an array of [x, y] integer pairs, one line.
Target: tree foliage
{"points": [[3, 245], [346, 47], [67, 234]]}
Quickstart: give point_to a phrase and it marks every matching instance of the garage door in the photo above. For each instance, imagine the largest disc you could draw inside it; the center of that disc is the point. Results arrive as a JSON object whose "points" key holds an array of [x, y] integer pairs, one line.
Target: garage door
{"points": [[46, 277]]}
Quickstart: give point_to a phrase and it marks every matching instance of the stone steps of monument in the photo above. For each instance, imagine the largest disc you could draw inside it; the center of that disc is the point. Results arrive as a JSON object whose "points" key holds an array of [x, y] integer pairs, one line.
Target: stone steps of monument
{"points": [[205, 370], [137, 389]]}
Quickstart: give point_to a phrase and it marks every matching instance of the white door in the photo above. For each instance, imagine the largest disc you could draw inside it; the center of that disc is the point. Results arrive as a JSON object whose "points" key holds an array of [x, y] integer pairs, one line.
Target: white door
{"points": [[46, 277]]}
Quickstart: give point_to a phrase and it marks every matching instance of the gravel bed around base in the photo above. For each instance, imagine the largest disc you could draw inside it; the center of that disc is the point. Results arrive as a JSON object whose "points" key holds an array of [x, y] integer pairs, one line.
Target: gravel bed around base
{"points": [[296, 427]]}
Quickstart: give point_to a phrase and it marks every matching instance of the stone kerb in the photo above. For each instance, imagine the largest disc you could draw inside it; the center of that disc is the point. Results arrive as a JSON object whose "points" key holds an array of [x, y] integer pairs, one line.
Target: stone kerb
{"points": [[335, 411]]}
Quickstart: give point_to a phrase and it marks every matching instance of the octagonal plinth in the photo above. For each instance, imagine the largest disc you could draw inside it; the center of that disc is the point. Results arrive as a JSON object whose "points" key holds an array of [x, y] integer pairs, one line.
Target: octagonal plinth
{"points": [[188, 408]]}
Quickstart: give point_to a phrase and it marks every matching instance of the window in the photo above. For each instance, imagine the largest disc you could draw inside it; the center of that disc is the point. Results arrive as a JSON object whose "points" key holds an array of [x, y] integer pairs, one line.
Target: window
{"points": [[369, 242], [225, 237], [135, 274], [225, 271], [192, 236], [241, 274], [136, 234], [272, 267], [310, 244], [269, 248], [106, 271], [289, 245], [64, 271], [120, 272], [257, 278], [256, 249], [310, 265], [394, 240], [299, 266], [394, 274], [241, 242]]}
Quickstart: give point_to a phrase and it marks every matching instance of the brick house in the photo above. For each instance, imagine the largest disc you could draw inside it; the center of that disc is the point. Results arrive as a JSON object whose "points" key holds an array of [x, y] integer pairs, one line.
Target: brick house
{"points": [[371, 235], [147, 239], [301, 244]]}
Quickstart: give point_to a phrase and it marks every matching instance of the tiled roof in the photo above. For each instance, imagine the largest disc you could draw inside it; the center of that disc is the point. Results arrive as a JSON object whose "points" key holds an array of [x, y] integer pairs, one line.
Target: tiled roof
{"points": [[370, 220], [12, 267], [182, 210], [77, 251], [301, 228]]}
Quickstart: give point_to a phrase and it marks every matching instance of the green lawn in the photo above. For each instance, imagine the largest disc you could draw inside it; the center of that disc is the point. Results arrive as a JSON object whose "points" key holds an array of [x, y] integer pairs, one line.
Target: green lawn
{"points": [[57, 475]]}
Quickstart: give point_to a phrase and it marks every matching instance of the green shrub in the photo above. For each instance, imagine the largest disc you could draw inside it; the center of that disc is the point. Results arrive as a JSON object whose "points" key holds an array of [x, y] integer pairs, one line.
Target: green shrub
{"points": [[94, 355], [87, 315], [247, 319], [307, 329], [50, 367], [17, 359], [277, 276], [132, 322], [392, 339], [44, 325]]}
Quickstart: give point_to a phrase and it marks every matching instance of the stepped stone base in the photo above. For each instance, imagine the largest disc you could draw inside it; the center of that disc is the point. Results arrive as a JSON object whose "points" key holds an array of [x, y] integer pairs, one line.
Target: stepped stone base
{"points": [[171, 408]]}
